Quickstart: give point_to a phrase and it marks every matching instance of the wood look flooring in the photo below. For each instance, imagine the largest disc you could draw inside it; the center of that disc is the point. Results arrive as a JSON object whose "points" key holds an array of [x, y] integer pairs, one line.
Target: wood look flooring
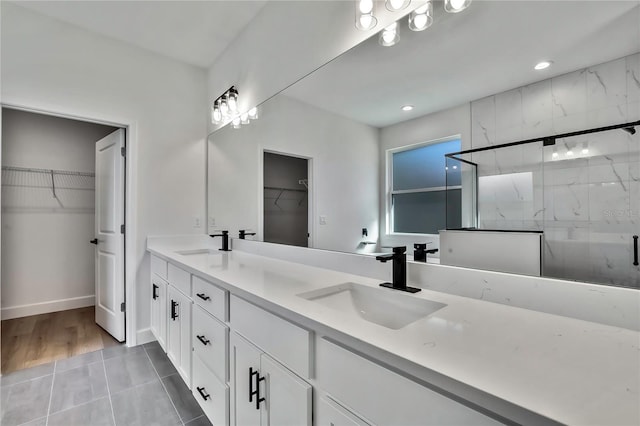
{"points": [[40, 339]]}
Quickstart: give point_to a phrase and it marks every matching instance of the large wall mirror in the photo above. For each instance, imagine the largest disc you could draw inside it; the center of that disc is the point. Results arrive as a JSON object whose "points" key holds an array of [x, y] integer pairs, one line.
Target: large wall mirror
{"points": [[350, 158]]}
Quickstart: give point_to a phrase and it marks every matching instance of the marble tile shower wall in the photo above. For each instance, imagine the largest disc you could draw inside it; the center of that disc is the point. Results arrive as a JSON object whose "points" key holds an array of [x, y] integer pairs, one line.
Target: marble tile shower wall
{"points": [[588, 204]]}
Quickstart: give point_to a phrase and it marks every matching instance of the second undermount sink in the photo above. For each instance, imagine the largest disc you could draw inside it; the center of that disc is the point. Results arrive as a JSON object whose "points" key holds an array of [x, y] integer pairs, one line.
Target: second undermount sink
{"points": [[198, 251], [381, 306]]}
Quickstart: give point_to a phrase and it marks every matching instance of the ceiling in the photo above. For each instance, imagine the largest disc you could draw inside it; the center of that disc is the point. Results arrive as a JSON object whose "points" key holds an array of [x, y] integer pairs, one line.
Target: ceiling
{"points": [[489, 48], [195, 32]]}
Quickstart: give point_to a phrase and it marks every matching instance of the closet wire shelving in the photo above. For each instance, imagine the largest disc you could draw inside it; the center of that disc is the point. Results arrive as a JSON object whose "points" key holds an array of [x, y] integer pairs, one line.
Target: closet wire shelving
{"points": [[25, 189]]}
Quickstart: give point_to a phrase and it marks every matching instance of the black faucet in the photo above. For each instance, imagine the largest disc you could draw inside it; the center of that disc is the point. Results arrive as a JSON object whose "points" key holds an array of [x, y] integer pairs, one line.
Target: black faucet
{"points": [[244, 233], [420, 252], [399, 258], [225, 240]]}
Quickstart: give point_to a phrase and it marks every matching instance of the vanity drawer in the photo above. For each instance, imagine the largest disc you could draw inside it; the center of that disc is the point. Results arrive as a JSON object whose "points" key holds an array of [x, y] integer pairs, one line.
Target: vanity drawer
{"points": [[210, 341], [341, 372], [158, 267], [211, 394], [283, 340], [179, 279], [213, 299]]}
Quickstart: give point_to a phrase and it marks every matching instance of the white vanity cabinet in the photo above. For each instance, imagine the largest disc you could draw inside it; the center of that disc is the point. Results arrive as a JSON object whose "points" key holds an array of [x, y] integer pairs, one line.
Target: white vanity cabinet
{"points": [[159, 300], [179, 327], [265, 392], [330, 413], [384, 397]]}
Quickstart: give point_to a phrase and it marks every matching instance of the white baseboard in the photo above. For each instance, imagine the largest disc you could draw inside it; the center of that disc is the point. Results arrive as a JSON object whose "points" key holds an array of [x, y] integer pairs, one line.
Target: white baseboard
{"points": [[144, 336], [10, 312]]}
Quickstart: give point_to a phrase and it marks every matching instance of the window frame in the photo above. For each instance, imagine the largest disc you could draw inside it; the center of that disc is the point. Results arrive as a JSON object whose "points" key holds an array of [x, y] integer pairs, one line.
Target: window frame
{"points": [[389, 192]]}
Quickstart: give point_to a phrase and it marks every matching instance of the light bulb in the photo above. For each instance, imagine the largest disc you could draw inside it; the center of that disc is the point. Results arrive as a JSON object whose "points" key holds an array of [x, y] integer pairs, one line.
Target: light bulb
{"points": [[233, 100], [235, 123], [366, 22], [216, 115], [569, 152], [390, 35], [253, 113], [365, 11], [585, 148], [395, 5], [365, 6], [421, 18], [224, 107], [244, 118], [555, 153], [455, 6]]}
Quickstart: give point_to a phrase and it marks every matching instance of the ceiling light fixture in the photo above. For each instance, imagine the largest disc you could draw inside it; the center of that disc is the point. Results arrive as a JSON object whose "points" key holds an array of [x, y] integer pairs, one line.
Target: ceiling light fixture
{"points": [[407, 107], [455, 6], [421, 18], [390, 35], [365, 11], [543, 65], [395, 5]]}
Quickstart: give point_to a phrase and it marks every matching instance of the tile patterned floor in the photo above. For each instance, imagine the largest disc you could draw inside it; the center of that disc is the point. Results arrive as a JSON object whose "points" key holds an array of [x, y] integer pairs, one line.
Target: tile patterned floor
{"points": [[117, 386]]}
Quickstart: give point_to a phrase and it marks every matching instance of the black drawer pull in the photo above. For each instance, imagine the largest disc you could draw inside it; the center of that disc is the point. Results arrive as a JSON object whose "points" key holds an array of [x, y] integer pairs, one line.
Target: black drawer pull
{"points": [[174, 310], [203, 340], [203, 394], [635, 250], [203, 296], [154, 294]]}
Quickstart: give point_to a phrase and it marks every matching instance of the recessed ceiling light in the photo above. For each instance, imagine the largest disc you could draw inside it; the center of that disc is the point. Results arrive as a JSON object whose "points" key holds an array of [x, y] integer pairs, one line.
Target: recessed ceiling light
{"points": [[407, 107], [542, 65]]}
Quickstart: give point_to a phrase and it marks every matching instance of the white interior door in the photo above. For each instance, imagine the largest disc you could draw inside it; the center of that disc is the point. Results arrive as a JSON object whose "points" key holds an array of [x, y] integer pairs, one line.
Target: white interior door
{"points": [[109, 237]]}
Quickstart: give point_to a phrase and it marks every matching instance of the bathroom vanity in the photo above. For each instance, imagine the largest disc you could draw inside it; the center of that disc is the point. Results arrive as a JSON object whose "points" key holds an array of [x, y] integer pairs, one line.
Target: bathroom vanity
{"points": [[263, 340]]}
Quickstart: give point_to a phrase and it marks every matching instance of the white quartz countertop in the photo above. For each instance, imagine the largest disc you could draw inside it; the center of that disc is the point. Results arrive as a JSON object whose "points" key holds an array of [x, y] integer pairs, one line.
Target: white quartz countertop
{"points": [[566, 370]]}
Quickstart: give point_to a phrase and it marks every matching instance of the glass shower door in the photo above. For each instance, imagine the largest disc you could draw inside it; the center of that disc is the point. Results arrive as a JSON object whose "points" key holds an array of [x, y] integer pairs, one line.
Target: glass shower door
{"points": [[592, 207]]}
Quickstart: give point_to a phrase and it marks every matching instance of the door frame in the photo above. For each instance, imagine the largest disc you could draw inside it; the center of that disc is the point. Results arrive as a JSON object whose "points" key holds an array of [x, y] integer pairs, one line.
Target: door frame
{"points": [[311, 213], [130, 191]]}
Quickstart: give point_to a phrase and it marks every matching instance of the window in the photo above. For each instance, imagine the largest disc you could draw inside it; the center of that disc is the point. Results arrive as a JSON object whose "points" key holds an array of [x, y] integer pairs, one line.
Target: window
{"points": [[425, 195]]}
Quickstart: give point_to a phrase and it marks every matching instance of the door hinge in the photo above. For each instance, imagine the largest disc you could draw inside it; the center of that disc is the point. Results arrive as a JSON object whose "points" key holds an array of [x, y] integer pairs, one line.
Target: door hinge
{"points": [[122, 307], [123, 151], [122, 229]]}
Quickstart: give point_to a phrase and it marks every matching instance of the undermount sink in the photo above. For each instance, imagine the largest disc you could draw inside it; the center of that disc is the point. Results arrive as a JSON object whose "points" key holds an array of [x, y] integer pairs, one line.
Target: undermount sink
{"points": [[381, 306], [198, 251]]}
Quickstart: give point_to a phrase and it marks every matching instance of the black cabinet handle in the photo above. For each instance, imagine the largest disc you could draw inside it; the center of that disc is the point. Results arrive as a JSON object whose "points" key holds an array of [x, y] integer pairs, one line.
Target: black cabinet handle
{"points": [[255, 392], [203, 394], [203, 296], [154, 294], [174, 311], [94, 241], [635, 250], [203, 340]]}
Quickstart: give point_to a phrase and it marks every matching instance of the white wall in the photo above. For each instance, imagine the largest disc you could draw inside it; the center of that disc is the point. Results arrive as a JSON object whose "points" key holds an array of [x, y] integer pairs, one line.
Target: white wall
{"points": [[48, 261], [286, 41], [450, 122], [53, 66], [343, 181]]}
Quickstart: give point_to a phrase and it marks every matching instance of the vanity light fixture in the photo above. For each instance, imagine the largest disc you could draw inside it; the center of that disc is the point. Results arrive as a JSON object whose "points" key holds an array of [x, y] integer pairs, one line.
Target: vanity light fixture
{"points": [[225, 110], [390, 35], [455, 6], [395, 5], [543, 65], [421, 18], [365, 11]]}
